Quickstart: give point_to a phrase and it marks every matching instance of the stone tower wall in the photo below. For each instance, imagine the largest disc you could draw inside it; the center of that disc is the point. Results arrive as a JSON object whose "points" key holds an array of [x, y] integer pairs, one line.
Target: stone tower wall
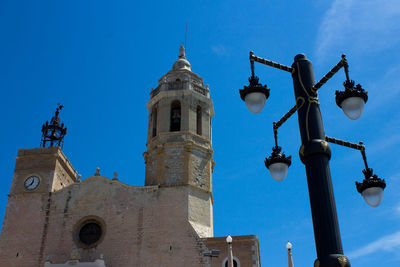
{"points": [[165, 158], [245, 250], [22, 230], [144, 226]]}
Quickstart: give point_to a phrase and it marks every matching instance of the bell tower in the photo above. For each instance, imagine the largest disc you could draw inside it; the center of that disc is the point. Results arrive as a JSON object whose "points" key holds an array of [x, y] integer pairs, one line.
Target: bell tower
{"points": [[179, 150], [45, 169]]}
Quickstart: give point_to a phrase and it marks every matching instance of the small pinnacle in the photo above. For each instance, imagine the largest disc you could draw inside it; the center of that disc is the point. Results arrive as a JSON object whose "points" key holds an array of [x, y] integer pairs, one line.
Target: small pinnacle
{"points": [[78, 179], [97, 172], [115, 178], [182, 52]]}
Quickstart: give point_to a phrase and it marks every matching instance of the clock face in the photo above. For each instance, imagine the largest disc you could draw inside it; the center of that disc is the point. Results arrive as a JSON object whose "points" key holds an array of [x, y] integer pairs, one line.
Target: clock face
{"points": [[32, 183]]}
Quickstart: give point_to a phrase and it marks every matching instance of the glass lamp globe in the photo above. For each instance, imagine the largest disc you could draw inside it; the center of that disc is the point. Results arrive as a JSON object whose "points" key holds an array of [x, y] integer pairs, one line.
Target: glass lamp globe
{"points": [[229, 239], [353, 107], [278, 170], [373, 196], [371, 188], [289, 245], [255, 102]]}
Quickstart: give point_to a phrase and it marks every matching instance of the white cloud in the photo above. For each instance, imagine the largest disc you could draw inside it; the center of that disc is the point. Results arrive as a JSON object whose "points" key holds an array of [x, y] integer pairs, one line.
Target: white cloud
{"points": [[387, 243], [383, 144], [389, 83], [359, 25], [219, 50]]}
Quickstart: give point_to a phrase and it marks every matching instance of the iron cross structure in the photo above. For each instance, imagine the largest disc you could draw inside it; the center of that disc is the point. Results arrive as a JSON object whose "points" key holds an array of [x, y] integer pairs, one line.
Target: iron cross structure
{"points": [[53, 133]]}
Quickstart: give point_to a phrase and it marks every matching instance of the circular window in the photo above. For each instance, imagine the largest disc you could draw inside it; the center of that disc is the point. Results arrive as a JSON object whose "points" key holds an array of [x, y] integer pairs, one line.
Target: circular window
{"points": [[90, 233]]}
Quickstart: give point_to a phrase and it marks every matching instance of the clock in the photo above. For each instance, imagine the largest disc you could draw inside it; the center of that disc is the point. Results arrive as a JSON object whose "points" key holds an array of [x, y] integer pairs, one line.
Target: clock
{"points": [[31, 183]]}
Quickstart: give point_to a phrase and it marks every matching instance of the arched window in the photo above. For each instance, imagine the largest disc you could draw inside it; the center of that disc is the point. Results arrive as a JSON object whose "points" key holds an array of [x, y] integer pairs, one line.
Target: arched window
{"points": [[175, 124], [210, 130], [154, 122], [198, 120], [235, 262]]}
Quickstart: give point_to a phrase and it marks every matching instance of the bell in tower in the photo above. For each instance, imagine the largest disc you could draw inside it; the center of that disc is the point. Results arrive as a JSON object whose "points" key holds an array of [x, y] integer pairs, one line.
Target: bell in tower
{"points": [[175, 116], [179, 150]]}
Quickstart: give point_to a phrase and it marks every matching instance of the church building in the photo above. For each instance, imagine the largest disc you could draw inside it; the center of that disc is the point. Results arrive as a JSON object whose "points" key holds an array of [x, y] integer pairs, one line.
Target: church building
{"points": [[54, 218]]}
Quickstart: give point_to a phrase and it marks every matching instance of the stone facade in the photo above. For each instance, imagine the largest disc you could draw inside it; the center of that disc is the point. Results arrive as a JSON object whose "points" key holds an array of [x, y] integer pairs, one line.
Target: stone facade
{"points": [[99, 221], [245, 250]]}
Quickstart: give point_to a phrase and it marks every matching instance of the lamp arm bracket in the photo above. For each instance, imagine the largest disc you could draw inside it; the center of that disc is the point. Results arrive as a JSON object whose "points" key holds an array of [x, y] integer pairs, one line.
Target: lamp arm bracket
{"points": [[285, 117], [346, 67], [278, 124], [333, 71], [360, 146], [270, 63]]}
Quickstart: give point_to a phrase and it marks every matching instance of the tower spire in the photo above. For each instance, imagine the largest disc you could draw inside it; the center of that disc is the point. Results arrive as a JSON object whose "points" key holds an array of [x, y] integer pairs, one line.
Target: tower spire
{"points": [[179, 142], [186, 33], [182, 63], [53, 133]]}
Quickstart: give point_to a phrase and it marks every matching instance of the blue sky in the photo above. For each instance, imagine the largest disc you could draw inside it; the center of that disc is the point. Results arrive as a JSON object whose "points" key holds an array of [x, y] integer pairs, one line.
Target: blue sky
{"points": [[100, 59]]}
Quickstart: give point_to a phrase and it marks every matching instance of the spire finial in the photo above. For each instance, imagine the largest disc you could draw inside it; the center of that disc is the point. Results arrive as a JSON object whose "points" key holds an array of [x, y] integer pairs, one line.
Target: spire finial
{"points": [[97, 173], [182, 52], [182, 62], [59, 107], [186, 33]]}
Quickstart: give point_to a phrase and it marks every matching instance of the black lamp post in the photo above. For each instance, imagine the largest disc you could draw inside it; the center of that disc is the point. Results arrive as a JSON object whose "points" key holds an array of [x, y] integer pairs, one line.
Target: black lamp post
{"points": [[315, 152]]}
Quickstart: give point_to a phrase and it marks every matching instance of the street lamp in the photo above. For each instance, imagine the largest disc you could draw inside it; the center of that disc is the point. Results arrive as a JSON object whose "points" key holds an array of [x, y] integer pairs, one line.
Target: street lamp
{"points": [[371, 187], [230, 253], [278, 163], [352, 99], [315, 152], [255, 94], [289, 251]]}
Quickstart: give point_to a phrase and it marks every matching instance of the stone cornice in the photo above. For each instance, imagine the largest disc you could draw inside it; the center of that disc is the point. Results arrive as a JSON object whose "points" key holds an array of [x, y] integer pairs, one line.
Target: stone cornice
{"points": [[50, 152]]}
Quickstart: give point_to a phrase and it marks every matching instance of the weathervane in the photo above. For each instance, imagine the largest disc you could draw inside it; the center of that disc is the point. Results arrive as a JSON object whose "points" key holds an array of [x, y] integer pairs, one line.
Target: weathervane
{"points": [[53, 133]]}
